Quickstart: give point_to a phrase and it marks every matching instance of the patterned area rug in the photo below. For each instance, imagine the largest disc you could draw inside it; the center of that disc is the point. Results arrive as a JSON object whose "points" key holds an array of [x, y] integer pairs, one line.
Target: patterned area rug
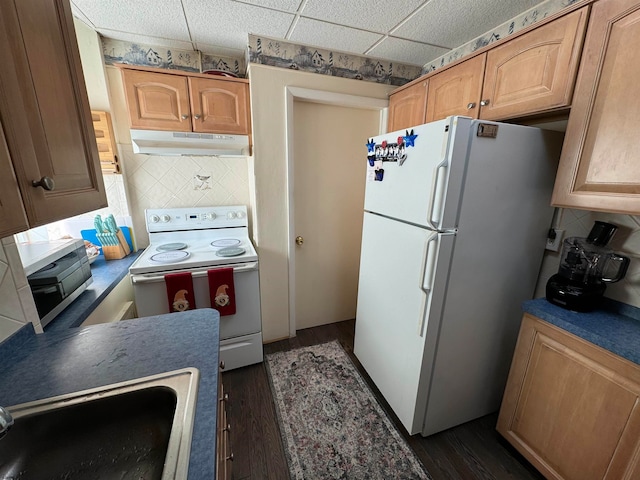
{"points": [[331, 424]]}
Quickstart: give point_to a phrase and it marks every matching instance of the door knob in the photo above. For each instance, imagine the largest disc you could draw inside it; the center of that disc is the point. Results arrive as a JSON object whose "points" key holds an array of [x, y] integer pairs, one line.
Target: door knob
{"points": [[45, 182], [299, 240]]}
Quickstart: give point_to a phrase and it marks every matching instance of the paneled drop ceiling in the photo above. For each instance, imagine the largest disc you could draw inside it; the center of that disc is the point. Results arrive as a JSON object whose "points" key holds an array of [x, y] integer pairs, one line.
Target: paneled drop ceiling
{"points": [[407, 31]]}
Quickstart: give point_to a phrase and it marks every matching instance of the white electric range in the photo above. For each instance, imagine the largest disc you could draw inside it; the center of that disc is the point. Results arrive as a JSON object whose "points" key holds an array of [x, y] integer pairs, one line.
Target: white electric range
{"points": [[197, 240]]}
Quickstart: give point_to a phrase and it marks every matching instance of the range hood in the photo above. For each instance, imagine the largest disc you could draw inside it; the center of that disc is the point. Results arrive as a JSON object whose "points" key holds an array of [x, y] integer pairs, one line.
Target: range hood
{"points": [[154, 142]]}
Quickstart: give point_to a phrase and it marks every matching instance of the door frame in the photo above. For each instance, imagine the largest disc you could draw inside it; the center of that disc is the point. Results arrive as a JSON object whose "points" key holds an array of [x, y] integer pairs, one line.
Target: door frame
{"points": [[327, 98]]}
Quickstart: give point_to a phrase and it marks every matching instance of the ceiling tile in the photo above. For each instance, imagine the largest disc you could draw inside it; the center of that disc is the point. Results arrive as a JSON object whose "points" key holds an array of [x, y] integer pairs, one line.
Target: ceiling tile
{"points": [[379, 16], [405, 51], [78, 13], [158, 18], [329, 36], [451, 24], [145, 39], [284, 5], [228, 24]]}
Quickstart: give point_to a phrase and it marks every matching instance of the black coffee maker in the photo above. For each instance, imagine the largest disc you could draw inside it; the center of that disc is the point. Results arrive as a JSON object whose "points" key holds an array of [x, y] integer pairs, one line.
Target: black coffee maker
{"points": [[586, 266]]}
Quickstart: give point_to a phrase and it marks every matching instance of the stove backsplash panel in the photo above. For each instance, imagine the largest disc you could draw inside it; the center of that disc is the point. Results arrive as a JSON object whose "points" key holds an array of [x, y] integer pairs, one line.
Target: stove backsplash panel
{"points": [[182, 181]]}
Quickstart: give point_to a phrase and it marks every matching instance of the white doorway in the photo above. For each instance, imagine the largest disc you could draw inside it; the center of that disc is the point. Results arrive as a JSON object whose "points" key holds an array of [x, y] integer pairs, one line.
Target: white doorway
{"points": [[327, 166]]}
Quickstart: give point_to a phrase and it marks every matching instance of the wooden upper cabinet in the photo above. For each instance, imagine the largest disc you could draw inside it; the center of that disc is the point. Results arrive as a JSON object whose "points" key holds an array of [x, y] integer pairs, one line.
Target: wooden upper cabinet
{"points": [[219, 106], [45, 112], [157, 101], [186, 102], [570, 407], [456, 91], [408, 107], [599, 167], [534, 72], [13, 217]]}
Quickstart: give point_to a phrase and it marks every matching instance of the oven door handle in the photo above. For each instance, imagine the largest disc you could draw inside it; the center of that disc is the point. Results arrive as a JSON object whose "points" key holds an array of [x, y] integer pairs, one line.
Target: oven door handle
{"points": [[246, 267]]}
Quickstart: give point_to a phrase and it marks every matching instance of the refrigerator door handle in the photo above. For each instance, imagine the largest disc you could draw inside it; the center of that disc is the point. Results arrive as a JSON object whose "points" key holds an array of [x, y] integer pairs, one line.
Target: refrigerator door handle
{"points": [[444, 163], [431, 249]]}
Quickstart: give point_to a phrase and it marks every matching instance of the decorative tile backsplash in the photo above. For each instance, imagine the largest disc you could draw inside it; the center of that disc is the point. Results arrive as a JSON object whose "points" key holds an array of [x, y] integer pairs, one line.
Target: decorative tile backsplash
{"points": [[626, 241], [523, 20], [155, 181], [17, 307], [118, 51], [280, 53]]}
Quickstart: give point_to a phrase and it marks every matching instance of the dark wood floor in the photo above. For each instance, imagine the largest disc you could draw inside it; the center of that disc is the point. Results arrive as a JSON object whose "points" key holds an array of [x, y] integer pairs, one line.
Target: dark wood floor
{"points": [[470, 451]]}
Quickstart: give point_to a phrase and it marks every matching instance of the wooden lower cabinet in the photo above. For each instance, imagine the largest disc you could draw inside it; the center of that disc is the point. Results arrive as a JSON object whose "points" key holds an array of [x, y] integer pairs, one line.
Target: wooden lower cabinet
{"points": [[570, 407], [408, 107], [224, 456], [599, 167]]}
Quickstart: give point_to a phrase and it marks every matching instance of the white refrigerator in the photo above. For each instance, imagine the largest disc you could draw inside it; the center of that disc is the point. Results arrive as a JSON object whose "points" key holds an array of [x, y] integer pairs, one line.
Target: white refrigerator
{"points": [[456, 216]]}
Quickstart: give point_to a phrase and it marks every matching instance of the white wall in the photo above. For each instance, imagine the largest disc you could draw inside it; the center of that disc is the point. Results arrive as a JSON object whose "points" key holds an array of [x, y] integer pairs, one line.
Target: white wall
{"points": [[269, 133]]}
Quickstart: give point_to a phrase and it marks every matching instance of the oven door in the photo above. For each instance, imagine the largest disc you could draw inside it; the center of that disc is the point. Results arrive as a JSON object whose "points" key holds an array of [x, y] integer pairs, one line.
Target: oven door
{"points": [[150, 294]]}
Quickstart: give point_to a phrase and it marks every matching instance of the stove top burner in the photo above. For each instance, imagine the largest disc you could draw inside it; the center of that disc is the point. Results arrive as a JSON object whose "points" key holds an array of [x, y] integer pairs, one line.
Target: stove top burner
{"points": [[226, 242], [230, 251], [170, 256], [166, 247]]}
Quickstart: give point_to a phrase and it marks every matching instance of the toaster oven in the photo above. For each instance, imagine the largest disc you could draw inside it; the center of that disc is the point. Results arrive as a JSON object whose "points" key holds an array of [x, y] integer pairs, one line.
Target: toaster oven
{"points": [[57, 272]]}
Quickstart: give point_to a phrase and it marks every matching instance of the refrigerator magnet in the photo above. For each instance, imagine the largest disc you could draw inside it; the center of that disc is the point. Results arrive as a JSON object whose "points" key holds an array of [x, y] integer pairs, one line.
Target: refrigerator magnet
{"points": [[371, 146], [379, 175], [410, 138], [378, 164], [371, 159]]}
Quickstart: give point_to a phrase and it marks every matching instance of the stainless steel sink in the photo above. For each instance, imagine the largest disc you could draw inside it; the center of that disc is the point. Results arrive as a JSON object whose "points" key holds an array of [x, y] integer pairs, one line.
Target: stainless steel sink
{"points": [[139, 429]]}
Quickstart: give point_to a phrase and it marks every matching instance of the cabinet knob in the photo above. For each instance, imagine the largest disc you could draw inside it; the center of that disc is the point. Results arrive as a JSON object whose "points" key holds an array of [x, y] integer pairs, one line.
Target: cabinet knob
{"points": [[225, 398], [230, 457], [484, 103], [197, 116], [184, 116], [471, 105], [45, 182], [227, 428], [222, 365]]}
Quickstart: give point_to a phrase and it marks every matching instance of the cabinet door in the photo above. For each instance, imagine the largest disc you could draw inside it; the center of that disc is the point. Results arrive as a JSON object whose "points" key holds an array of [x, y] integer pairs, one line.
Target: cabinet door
{"points": [[219, 106], [157, 101], [408, 107], [534, 72], [599, 167], [13, 218], [45, 111], [456, 91], [569, 407]]}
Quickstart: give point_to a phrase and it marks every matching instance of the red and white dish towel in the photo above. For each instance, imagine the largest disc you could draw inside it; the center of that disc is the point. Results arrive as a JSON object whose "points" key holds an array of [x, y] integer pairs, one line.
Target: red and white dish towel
{"points": [[180, 291], [222, 291]]}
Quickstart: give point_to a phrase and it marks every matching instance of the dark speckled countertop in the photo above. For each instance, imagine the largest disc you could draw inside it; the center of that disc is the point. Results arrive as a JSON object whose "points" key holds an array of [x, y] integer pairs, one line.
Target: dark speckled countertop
{"points": [[615, 328], [73, 359]]}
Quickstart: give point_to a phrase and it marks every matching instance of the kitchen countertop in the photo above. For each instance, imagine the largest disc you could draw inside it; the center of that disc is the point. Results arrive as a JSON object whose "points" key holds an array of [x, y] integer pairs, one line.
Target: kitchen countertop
{"points": [[73, 359], [106, 275], [615, 327]]}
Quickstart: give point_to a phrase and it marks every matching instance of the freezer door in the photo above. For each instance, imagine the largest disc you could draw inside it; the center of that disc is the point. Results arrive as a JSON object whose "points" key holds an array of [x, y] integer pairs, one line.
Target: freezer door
{"points": [[414, 190], [400, 271]]}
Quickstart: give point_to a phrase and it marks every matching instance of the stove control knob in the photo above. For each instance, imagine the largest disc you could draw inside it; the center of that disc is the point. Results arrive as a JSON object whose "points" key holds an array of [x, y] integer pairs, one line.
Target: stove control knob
{"points": [[231, 215], [154, 218], [240, 214], [165, 218], [210, 216]]}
